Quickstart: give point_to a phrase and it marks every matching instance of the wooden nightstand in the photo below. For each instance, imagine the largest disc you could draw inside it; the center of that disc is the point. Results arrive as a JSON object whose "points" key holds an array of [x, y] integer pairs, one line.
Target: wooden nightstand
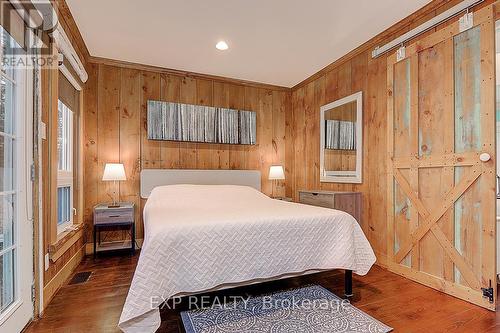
{"points": [[113, 218], [349, 202]]}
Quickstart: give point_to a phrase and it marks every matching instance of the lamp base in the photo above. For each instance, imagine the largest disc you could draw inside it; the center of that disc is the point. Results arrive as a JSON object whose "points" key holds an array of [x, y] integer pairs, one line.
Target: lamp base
{"points": [[114, 205]]}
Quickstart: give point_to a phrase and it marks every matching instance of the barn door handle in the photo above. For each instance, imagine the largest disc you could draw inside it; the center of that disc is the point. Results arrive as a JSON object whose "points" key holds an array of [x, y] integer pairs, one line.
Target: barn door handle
{"points": [[485, 157]]}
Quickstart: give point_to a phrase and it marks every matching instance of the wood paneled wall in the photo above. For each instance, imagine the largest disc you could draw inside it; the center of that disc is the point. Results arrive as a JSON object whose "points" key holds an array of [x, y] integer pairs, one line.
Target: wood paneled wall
{"points": [[288, 125], [356, 71], [115, 130], [114, 121], [58, 270], [360, 73]]}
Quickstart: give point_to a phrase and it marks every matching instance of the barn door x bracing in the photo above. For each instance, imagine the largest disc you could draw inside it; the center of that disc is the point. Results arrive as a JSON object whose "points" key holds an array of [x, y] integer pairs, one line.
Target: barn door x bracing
{"points": [[441, 183]]}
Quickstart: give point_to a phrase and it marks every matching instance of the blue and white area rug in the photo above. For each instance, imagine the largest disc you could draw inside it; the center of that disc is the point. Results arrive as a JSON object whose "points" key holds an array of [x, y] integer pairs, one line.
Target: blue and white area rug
{"points": [[311, 309]]}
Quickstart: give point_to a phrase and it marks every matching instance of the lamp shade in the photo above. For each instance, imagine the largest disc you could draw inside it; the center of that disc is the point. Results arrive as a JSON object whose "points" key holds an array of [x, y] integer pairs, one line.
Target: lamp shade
{"points": [[114, 171], [276, 172]]}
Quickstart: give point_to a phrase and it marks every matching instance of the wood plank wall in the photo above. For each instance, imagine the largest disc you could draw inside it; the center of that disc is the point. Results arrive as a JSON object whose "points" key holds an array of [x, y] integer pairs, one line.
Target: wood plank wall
{"points": [[114, 125], [360, 73], [116, 92], [49, 83], [356, 71], [115, 99]]}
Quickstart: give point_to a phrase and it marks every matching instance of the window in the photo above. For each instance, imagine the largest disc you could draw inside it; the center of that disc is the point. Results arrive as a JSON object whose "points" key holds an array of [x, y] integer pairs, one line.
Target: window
{"points": [[65, 167]]}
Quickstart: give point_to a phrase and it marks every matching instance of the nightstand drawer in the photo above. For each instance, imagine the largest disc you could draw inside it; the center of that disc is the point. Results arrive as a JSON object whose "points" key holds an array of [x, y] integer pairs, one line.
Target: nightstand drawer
{"points": [[316, 199], [114, 216], [349, 202]]}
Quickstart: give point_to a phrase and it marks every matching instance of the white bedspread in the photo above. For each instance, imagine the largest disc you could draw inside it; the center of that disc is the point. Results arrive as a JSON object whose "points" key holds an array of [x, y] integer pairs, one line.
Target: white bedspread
{"points": [[199, 237]]}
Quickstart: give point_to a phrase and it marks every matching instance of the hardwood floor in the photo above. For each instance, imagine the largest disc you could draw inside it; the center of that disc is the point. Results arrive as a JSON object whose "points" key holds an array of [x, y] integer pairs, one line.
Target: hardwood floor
{"points": [[95, 306]]}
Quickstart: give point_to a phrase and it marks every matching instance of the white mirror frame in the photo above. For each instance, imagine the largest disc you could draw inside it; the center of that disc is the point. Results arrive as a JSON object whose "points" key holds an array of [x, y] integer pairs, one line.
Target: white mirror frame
{"points": [[343, 176]]}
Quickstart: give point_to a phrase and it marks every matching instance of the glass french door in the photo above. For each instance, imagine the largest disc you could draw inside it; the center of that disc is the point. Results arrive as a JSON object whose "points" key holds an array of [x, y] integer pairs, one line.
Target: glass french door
{"points": [[16, 229]]}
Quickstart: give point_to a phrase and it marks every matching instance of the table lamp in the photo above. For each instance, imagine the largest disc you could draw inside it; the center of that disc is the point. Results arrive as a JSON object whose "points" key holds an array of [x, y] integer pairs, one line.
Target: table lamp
{"points": [[276, 173], [114, 172]]}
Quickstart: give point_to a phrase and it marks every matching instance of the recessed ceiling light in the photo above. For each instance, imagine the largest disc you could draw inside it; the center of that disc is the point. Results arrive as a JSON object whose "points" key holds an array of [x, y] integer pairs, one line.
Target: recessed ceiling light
{"points": [[222, 45]]}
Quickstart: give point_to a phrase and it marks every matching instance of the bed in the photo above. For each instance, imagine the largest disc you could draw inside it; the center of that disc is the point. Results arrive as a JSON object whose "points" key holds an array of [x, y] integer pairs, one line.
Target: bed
{"points": [[208, 237]]}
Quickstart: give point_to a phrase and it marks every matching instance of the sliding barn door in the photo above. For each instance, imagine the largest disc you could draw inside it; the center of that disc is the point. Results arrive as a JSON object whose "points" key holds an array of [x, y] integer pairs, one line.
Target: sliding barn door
{"points": [[441, 161]]}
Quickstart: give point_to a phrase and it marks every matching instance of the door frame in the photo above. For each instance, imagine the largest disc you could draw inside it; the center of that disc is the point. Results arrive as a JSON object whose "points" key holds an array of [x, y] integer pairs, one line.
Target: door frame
{"points": [[21, 312]]}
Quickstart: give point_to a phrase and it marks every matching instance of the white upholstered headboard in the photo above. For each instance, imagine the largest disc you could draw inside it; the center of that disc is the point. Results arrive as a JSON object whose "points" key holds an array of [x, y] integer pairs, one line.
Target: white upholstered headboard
{"points": [[150, 178]]}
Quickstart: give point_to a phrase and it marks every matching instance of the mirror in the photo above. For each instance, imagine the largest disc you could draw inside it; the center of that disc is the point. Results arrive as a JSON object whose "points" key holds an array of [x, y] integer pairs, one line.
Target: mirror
{"points": [[341, 142]]}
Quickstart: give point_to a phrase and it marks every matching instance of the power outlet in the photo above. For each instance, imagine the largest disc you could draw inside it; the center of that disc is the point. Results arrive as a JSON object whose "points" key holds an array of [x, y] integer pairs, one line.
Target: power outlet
{"points": [[47, 261]]}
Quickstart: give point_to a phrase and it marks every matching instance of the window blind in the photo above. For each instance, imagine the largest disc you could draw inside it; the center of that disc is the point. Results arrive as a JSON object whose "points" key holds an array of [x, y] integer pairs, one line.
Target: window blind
{"points": [[68, 94]]}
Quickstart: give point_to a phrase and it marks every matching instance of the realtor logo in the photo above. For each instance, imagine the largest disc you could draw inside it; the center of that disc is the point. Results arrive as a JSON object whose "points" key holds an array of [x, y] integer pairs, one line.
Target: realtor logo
{"points": [[28, 29]]}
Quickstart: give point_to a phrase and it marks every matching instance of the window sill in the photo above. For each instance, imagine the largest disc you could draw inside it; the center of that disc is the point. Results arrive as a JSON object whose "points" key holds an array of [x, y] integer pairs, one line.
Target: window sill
{"points": [[64, 229], [64, 241]]}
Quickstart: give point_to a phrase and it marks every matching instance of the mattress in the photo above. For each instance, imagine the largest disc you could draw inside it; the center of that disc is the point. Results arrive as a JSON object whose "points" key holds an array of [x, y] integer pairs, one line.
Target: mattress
{"points": [[198, 237]]}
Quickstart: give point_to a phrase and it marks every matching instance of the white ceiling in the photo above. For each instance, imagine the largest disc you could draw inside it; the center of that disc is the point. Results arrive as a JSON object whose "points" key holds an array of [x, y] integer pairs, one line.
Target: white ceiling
{"points": [[278, 42]]}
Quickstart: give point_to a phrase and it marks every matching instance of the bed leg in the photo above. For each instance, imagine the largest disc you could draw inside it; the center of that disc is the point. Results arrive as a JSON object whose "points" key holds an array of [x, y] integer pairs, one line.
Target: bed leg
{"points": [[348, 283]]}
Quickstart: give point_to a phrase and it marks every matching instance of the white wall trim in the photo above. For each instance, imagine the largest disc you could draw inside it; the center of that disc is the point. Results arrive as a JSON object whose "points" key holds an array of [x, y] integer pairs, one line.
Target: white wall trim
{"points": [[64, 46], [67, 74]]}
